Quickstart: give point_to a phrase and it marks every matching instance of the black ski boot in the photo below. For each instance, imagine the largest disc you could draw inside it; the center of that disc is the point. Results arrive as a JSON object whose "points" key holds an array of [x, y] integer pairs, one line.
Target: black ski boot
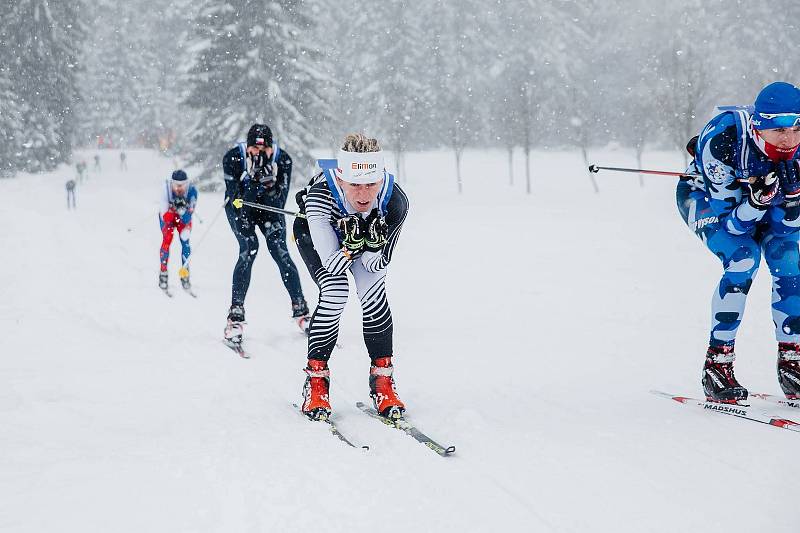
{"points": [[235, 327], [718, 381], [162, 280], [186, 284], [789, 369], [300, 315]]}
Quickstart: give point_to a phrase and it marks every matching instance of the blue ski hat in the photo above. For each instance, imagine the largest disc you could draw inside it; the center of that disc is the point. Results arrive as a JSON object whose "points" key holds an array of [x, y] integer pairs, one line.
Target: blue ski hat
{"points": [[179, 175], [777, 106]]}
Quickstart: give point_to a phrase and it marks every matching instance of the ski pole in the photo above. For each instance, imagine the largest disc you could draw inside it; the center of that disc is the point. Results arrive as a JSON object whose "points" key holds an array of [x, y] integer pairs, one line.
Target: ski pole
{"points": [[595, 169], [238, 203]]}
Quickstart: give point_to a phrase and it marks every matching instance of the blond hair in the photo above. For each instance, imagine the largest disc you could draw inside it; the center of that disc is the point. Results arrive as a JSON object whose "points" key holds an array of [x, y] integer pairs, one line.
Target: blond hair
{"points": [[358, 142]]}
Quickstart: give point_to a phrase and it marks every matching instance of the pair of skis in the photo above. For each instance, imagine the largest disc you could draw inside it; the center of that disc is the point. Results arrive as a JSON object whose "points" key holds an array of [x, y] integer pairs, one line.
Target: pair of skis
{"points": [[400, 423], [746, 412], [188, 290]]}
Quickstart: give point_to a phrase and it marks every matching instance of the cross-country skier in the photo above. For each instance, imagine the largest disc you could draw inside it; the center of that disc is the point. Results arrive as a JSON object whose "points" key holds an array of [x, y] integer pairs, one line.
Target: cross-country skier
{"points": [[747, 204], [178, 201], [354, 216], [70, 185], [259, 171]]}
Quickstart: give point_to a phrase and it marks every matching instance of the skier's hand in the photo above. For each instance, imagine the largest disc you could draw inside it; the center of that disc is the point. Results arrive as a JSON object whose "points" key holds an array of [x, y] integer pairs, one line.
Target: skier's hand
{"points": [[376, 233], [181, 211], [765, 191], [352, 229], [789, 177]]}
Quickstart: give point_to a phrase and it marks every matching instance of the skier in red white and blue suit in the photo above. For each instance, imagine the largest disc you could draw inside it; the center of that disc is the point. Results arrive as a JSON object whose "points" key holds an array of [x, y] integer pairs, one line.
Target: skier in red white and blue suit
{"points": [[745, 205], [178, 201]]}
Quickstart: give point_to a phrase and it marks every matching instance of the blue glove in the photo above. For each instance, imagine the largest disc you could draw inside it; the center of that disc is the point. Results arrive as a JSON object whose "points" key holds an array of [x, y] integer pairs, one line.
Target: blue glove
{"points": [[789, 176]]}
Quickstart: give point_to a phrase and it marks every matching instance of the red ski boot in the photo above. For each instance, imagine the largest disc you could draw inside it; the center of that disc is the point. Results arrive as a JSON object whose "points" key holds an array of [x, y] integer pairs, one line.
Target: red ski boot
{"points": [[719, 383], [789, 369], [382, 390], [315, 391]]}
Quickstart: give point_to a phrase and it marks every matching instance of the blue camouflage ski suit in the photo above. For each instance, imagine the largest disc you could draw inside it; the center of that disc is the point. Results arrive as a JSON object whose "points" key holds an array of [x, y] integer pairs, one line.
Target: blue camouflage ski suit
{"points": [[715, 207]]}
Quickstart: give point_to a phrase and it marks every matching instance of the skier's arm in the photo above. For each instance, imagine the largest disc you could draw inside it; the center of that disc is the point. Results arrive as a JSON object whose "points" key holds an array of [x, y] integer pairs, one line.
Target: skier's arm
{"points": [[727, 199], [164, 206], [319, 206], [396, 216], [233, 168]]}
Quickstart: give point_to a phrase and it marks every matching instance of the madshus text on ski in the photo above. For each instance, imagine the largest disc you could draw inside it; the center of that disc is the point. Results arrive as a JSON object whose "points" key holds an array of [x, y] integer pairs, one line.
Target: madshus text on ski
{"points": [[350, 217], [740, 196]]}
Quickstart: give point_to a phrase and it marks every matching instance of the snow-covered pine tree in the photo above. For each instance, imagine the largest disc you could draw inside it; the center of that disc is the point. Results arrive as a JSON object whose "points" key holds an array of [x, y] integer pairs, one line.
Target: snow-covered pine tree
{"points": [[12, 108], [45, 40], [256, 62]]}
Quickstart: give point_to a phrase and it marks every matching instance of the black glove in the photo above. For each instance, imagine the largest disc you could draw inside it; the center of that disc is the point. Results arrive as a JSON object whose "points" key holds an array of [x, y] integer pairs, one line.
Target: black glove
{"points": [[789, 177], [376, 233], [352, 230], [765, 191]]}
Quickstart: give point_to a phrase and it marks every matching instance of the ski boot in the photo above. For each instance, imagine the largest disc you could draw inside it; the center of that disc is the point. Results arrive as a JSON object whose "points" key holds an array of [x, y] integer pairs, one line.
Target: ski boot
{"points": [[789, 369], [718, 381], [315, 390], [235, 328], [300, 315], [185, 283], [382, 389], [162, 280]]}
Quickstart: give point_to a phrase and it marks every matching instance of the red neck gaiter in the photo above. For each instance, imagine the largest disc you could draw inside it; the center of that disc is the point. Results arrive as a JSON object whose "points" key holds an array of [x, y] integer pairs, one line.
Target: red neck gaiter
{"points": [[770, 150]]}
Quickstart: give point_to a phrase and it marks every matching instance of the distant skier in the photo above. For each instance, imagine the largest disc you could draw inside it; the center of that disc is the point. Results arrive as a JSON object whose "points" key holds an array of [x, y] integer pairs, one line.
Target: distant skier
{"points": [[746, 205], [97, 162], [177, 206], [259, 171], [355, 214], [80, 167], [70, 194], [123, 163]]}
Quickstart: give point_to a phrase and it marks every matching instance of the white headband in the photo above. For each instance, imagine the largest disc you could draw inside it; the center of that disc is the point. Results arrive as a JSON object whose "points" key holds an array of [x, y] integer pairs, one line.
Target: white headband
{"points": [[361, 167]]}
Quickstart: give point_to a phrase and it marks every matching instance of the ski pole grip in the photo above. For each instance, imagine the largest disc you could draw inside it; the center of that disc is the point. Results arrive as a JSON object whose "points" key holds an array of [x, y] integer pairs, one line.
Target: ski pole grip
{"points": [[237, 203], [594, 169]]}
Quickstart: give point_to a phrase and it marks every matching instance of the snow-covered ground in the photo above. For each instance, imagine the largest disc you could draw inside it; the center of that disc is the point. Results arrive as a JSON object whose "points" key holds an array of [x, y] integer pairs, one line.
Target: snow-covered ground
{"points": [[528, 332]]}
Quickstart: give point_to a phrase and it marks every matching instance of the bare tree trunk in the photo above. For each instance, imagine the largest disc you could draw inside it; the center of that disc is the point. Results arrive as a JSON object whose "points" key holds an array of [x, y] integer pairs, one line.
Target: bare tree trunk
{"points": [[527, 168], [458, 168], [511, 165], [639, 163]]}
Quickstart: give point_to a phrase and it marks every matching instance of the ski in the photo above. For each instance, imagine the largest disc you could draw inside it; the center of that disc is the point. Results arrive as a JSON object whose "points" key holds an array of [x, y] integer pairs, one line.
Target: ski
{"points": [[333, 429], [236, 347], [746, 412], [409, 429], [777, 400], [166, 291], [190, 292]]}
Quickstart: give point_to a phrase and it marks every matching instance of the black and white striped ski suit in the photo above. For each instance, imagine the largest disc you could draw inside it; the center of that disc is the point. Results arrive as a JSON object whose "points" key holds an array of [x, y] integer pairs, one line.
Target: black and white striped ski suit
{"points": [[322, 252]]}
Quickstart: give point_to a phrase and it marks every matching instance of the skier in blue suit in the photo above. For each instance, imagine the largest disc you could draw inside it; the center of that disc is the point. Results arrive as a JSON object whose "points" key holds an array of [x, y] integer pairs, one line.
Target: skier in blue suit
{"points": [[745, 205]]}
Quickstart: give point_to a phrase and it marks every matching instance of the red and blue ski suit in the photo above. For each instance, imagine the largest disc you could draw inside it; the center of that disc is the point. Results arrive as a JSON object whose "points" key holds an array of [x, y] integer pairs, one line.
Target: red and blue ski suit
{"points": [[175, 213]]}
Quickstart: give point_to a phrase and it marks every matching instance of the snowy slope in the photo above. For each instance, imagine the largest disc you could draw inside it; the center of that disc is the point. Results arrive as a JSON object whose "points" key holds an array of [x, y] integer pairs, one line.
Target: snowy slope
{"points": [[528, 332]]}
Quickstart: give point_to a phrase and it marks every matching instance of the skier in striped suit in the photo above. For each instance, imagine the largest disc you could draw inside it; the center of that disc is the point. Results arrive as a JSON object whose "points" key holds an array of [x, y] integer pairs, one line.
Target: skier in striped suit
{"points": [[355, 212]]}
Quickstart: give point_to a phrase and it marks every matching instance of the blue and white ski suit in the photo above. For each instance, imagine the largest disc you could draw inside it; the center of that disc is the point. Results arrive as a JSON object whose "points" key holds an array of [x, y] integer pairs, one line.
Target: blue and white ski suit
{"points": [[715, 207]]}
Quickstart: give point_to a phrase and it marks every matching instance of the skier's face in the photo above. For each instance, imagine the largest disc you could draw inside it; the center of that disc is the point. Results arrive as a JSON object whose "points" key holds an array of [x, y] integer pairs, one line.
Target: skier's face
{"points": [[360, 195], [253, 150], [179, 187], [783, 138]]}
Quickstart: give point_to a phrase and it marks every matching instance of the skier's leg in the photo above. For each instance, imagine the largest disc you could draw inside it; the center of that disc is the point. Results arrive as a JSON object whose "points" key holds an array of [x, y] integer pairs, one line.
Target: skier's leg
{"points": [[782, 254], [378, 331], [740, 256], [333, 291], [166, 241], [184, 233], [245, 234], [377, 317], [275, 234]]}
